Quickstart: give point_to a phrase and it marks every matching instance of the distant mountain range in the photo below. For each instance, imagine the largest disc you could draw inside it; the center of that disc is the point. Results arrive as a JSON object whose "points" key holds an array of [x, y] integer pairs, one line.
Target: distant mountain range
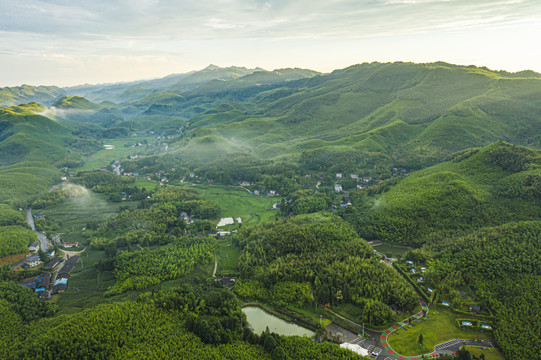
{"points": [[365, 118]]}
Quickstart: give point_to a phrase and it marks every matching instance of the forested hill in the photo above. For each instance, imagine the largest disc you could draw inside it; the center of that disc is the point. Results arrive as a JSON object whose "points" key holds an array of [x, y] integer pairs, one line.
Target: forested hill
{"points": [[45, 95], [386, 115], [32, 147], [479, 187], [381, 115]]}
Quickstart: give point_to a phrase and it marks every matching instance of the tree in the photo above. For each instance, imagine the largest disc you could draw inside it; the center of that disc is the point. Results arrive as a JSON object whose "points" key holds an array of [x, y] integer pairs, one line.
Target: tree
{"points": [[279, 354], [42, 256], [270, 343], [420, 339]]}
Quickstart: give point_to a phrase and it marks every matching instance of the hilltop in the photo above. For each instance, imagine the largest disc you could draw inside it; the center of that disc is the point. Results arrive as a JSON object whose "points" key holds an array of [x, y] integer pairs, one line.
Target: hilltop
{"points": [[476, 188], [32, 147], [411, 115], [45, 95]]}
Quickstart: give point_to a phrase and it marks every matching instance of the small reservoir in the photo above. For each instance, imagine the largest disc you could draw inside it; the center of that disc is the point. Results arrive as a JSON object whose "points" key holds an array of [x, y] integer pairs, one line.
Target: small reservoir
{"points": [[259, 320]]}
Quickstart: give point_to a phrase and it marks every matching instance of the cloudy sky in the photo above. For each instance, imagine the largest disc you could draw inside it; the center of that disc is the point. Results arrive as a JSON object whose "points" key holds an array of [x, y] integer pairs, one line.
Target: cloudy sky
{"points": [[68, 42]]}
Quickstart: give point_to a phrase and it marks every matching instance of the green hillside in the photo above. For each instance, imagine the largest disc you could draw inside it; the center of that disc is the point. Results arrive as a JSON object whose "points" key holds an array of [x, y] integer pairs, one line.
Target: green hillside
{"points": [[476, 188], [75, 103], [31, 148], [498, 264], [46, 95], [405, 114]]}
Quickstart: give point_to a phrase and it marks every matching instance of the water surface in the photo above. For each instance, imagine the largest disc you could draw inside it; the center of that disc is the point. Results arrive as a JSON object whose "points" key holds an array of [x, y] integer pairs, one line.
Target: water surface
{"points": [[259, 320]]}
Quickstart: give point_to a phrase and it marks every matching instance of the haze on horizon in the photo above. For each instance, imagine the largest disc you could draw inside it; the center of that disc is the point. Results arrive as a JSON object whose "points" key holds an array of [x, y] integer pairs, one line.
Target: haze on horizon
{"points": [[61, 42]]}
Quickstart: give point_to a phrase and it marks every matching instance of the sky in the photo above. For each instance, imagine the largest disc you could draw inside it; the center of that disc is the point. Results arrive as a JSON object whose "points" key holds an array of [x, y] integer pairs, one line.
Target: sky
{"points": [[70, 42]]}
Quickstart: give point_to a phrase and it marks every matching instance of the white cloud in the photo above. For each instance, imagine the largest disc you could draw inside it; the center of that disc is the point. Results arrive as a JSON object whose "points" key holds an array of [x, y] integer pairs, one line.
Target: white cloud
{"points": [[82, 33]]}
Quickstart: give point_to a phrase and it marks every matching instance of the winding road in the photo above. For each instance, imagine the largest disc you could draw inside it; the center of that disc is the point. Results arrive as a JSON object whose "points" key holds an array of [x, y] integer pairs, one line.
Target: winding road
{"points": [[43, 242]]}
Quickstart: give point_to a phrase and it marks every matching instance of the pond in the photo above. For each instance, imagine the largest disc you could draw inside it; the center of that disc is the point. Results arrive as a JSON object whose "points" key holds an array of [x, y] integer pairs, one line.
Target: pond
{"points": [[259, 320]]}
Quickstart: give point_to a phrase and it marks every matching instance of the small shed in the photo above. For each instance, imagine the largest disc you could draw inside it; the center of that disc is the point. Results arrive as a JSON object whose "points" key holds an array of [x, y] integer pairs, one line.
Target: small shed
{"points": [[33, 247]]}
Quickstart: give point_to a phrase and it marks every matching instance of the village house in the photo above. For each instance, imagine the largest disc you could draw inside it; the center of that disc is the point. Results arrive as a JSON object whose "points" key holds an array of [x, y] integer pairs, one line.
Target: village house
{"points": [[184, 216], [337, 187], [475, 309], [228, 282], [366, 179], [354, 176], [33, 247], [33, 261], [70, 244], [53, 263], [339, 175]]}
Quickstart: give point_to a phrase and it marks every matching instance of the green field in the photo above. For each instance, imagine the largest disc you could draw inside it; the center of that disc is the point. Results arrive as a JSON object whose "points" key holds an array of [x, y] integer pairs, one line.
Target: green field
{"points": [[73, 214], [105, 157], [490, 354], [234, 202], [144, 183], [440, 327], [86, 286], [396, 251], [228, 255]]}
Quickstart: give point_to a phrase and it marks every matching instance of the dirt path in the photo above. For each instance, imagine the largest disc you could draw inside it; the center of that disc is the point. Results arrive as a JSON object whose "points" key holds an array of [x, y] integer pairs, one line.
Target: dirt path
{"points": [[71, 253], [215, 266]]}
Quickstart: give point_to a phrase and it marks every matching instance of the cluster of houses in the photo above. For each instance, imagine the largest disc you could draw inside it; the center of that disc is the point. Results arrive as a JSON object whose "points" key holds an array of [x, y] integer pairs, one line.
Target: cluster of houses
{"points": [[418, 274], [61, 282], [39, 284], [44, 285], [362, 181], [33, 258]]}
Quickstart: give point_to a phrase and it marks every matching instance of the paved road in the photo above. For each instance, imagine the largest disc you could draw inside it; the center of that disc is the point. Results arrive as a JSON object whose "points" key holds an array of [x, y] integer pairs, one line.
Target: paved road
{"points": [[451, 346], [44, 243]]}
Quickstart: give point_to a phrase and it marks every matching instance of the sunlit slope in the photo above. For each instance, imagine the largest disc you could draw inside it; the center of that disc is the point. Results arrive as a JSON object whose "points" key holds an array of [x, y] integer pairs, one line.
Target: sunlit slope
{"points": [[75, 103], [31, 148], [46, 95], [482, 187], [411, 114]]}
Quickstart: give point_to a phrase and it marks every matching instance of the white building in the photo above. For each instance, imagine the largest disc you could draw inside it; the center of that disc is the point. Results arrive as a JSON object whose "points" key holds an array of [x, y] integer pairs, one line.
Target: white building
{"points": [[337, 187], [355, 348]]}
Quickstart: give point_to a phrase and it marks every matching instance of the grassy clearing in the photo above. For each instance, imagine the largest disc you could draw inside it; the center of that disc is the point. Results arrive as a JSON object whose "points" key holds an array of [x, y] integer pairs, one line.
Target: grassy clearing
{"points": [[396, 251], [235, 201], [354, 313], [440, 327], [7, 260], [76, 212], [228, 255], [490, 354], [104, 157], [144, 183], [90, 285]]}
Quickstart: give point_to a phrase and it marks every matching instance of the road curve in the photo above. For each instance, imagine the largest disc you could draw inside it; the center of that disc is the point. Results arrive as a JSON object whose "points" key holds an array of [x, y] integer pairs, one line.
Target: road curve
{"points": [[43, 242]]}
